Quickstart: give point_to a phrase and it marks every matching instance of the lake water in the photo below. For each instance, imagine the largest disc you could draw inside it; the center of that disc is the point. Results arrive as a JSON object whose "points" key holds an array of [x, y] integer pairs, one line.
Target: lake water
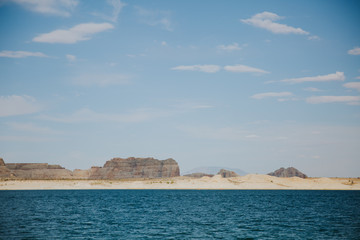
{"points": [[179, 214]]}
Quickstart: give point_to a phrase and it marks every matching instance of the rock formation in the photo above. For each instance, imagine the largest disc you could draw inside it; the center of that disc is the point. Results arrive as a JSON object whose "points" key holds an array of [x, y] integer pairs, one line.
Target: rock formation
{"points": [[4, 171], [227, 174], [198, 175], [288, 172], [120, 168], [38, 171], [116, 168]]}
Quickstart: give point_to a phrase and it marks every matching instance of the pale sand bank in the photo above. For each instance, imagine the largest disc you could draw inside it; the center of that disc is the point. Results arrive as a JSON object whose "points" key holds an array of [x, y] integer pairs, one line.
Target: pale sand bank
{"points": [[251, 181]]}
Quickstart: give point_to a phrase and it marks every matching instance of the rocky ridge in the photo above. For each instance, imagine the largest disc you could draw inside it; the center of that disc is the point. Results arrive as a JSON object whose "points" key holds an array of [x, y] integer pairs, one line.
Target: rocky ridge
{"points": [[116, 168], [288, 172]]}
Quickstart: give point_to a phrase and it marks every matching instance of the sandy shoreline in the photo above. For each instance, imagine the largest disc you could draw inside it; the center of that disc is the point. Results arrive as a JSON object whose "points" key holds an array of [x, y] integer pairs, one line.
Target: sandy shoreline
{"points": [[251, 181]]}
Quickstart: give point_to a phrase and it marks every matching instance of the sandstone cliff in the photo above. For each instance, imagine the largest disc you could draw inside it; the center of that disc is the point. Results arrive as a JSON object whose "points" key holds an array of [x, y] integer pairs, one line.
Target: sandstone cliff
{"points": [[117, 168], [37, 171], [288, 172], [120, 168], [4, 171]]}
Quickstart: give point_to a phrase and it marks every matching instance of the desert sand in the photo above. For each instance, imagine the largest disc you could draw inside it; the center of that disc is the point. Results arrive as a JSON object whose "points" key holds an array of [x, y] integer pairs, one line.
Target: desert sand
{"points": [[251, 181]]}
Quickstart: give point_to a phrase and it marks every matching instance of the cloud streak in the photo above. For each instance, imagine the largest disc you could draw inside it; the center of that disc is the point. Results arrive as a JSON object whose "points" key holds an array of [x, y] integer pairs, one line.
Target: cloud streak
{"points": [[354, 85], [215, 68], [230, 47], [350, 100], [338, 76], [61, 8], [243, 69], [271, 94], [80, 32], [199, 68], [155, 18], [18, 105], [266, 20], [21, 54]]}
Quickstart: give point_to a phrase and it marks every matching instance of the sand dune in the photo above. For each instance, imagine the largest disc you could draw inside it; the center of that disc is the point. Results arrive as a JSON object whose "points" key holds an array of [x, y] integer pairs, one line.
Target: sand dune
{"points": [[251, 181]]}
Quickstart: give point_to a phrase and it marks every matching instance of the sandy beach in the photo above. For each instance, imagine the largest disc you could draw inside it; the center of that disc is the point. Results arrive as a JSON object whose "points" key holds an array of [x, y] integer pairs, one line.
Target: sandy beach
{"points": [[251, 181]]}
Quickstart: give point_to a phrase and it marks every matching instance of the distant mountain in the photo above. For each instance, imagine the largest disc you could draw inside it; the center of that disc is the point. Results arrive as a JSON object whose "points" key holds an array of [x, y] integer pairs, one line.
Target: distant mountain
{"points": [[288, 172], [214, 170]]}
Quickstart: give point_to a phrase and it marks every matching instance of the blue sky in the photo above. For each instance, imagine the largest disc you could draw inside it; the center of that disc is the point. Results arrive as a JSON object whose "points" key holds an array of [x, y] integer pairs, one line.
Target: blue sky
{"points": [[255, 85]]}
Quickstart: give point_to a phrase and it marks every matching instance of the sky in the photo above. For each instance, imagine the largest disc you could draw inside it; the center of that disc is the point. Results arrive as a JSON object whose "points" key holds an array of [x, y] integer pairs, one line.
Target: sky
{"points": [[255, 85]]}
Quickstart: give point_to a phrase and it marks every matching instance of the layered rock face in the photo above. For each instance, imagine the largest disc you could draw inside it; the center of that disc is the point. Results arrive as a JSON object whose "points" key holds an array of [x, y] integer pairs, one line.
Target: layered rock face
{"points": [[120, 168], [227, 174], [116, 168], [4, 171], [288, 172], [37, 171]]}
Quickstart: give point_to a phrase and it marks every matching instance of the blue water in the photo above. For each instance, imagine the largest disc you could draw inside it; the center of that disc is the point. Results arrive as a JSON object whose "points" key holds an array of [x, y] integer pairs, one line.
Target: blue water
{"points": [[179, 214]]}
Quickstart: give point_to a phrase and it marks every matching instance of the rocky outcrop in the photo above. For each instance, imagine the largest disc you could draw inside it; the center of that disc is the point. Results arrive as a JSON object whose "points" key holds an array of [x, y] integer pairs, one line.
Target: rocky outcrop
{"points": [[38, 171], [4, 171], [198, 175], [227, 174], [116, 168], [81, 174], [288, 172], [122, 168]]}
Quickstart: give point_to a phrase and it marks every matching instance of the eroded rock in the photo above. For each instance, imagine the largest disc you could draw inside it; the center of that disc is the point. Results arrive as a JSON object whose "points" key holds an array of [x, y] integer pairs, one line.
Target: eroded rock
{"points": [[288, 172], [227, 174], [122, 168]]}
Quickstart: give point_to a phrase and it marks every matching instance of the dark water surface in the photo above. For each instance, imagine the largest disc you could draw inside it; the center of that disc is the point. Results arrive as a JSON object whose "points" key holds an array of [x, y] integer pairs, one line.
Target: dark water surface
{"points": [[179, 214]]}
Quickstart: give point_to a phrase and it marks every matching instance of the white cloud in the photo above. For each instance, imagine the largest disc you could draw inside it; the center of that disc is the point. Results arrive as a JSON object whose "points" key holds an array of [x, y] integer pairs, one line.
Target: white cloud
{"points": [[155, 18], [18, 105], [21, 54], [163, 43], [266, 20], [338, 76], [271, 94], [200, 68], [230, 47], [117, 7], [351, 100], [312, 89], [70, 58], [101, 80], [243, 68], [354, 85], [49, 7], [354, 51], [80, 32], [357, 77], [313, 37], [87, 115]]}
